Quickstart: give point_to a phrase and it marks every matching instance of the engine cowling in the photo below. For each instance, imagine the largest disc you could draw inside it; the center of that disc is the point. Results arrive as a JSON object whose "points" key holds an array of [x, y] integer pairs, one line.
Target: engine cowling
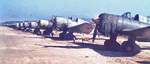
{"points": [[33, 25], [26, 24], [45, 23], [21, 25], [17, 25]]}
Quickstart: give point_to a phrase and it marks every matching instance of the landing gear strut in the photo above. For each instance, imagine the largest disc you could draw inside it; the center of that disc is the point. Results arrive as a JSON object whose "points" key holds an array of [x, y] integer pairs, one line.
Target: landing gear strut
{"points": [[49, 31], [63, 35]]}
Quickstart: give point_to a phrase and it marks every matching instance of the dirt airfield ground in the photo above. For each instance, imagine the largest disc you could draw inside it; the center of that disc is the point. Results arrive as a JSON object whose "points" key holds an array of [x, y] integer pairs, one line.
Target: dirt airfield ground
{"points": [[18, 47]]}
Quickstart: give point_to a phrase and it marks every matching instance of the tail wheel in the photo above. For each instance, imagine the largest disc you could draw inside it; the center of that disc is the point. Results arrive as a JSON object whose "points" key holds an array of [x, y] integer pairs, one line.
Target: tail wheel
{"points": [[127, 46]]}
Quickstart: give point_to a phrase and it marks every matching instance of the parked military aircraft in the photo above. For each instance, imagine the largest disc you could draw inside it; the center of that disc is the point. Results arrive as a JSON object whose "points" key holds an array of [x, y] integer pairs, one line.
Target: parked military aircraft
{"points": [[11, 24], [33, 25], [112, 25], [26, 26], [17, 26], [20, 26], [65, 25], [42, 24], [78, 26]]}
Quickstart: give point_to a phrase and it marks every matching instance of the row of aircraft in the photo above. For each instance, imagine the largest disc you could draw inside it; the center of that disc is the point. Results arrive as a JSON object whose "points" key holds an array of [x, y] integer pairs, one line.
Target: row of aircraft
{"points": [[67, 26], [106, 24]]}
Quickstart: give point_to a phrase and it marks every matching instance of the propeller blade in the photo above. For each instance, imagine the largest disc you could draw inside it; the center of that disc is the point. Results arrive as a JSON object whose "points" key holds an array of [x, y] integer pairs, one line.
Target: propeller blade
{"points": [[95, 32]]}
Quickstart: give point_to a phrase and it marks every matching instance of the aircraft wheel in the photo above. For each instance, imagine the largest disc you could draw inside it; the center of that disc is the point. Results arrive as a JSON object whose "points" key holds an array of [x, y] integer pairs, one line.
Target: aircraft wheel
{"points": [[70, 37], [28, 30], [23, 29], [19, 28], [35, 32], [112, 46], [52, 34], [127, 47], [61, 35], [45, 33]]}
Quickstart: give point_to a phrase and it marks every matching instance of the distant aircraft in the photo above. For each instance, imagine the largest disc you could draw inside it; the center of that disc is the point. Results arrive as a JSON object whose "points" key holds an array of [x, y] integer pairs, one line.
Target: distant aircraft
{"points": [[17, 26], [78, 26], [43, 24], [33, 25], [112, 25], [65, 25], [26, 26], [21, 26]]}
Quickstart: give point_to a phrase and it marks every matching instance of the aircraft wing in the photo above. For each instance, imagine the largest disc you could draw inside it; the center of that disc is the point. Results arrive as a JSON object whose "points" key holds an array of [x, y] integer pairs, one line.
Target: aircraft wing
{"points": [[138, 32], [82, 28], [141, 34]]}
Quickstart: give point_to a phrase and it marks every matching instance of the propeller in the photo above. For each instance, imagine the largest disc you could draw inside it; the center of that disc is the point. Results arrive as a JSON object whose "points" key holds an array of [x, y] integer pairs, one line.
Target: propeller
{"points": [[52, 20], [96, 21], [95, 32]]}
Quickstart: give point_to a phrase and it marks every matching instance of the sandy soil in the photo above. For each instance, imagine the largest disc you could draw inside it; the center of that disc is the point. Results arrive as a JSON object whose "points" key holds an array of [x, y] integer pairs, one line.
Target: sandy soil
{"points": [[18, 47]]}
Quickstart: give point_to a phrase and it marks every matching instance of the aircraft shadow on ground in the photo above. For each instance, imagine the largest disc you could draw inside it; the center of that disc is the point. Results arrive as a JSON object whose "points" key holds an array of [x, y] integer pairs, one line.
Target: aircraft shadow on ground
{"points": [[56, 38], [61, 39], [97, 48], [53, 38], [143, 62], [145, 48]]}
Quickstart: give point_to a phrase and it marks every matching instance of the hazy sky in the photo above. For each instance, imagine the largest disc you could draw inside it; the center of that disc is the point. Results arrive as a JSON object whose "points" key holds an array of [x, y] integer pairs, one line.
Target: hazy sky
{"points": [[43, 9]]}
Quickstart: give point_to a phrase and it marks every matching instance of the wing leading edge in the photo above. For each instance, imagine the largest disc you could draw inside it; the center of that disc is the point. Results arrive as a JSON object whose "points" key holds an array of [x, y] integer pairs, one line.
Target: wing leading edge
{"points": [[142, 34]]}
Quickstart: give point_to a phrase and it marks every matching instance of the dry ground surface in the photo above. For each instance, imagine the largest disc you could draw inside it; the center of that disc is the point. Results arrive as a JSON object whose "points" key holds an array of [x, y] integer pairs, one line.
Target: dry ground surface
{"points": [[19, 47]]}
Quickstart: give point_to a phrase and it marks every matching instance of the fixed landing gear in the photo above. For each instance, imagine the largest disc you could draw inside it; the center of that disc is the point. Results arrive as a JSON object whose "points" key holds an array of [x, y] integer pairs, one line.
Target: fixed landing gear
{"points": [[46, 33], [67, 36], [23, 29], [112, 44], [70, 36], [28, 30], [19, 28], [62, 35], [52, 34], [130, 45], [49, 31], [37, 31], [127, 46]]}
